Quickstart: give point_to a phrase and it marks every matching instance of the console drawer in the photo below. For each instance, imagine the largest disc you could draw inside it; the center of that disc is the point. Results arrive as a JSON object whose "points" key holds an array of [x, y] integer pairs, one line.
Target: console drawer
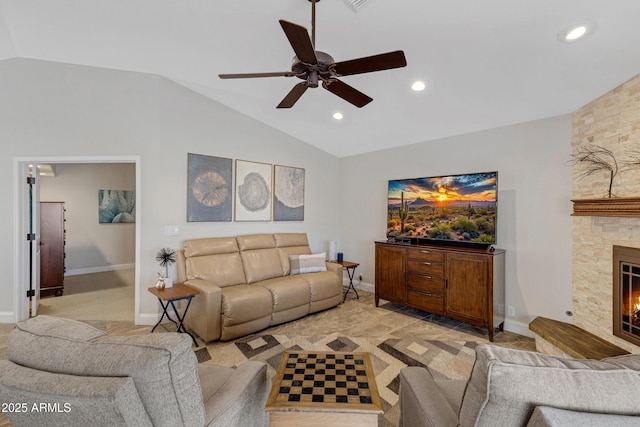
{"points": [[425, 255], [428, 268], [427, 284], [421, 301]]}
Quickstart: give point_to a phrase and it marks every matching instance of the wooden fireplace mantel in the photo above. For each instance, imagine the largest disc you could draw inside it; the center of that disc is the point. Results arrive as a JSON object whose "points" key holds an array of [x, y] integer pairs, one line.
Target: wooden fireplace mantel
{"points": [[616, 206]]}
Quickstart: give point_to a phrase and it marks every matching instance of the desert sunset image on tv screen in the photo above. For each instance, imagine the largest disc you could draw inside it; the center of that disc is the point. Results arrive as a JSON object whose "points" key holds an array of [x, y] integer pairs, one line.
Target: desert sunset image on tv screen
{"points": [[455, 207]]}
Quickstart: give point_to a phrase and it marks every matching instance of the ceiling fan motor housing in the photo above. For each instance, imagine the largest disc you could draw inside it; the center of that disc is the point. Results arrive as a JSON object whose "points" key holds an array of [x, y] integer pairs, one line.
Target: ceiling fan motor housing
{"points": [[311, 72]]}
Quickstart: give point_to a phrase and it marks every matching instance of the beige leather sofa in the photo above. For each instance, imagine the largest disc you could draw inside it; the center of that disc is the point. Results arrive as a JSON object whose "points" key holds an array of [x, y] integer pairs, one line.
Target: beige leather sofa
{"points": [[62, 372], [245, 283]]}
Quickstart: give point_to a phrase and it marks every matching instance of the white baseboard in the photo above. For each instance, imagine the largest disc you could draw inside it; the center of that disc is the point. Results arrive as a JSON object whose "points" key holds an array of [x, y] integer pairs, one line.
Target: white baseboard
{"points": [[7, 317], [518, 328], [101, 269], [148, 318]]}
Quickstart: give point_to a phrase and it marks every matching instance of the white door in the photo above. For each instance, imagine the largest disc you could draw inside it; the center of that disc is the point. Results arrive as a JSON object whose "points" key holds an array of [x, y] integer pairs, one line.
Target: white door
{"points": [[33, 237]]}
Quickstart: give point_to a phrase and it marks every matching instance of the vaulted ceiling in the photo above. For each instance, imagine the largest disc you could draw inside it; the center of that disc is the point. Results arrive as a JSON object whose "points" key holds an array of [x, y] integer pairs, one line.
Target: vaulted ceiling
{"points": [[485, 63]]}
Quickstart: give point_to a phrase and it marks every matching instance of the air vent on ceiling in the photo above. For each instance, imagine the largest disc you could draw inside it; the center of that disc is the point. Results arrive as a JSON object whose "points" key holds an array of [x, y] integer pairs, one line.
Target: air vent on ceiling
{"points": [[356, 5]]}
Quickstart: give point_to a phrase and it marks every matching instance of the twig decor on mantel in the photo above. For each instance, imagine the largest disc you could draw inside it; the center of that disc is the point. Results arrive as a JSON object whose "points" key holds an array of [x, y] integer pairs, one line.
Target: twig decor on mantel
{"points": [[593, 159], [596, 159]]}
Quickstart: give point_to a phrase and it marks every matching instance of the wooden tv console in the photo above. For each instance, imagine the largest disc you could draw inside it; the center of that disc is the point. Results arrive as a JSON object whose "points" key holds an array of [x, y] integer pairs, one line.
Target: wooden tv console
{"points": [[465, 284]]}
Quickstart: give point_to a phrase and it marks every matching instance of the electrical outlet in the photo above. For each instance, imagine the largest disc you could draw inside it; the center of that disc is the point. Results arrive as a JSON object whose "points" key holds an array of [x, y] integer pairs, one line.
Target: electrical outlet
{"points": [[108, 260], [360, 278], [511, 311]]}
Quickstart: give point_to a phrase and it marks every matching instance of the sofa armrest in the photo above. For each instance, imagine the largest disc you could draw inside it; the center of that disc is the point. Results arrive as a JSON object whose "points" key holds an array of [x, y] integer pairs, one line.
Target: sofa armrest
{"points": [[546, 416], [240, 400], [421, 401], [51, 399], [205, 312], [336, 268]]}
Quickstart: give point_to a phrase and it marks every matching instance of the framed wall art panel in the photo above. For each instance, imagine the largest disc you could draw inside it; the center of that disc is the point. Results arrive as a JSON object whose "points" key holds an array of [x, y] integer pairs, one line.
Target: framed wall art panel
{"points": [[288, 193], [116, 206], [209, 188], [253, 191]]}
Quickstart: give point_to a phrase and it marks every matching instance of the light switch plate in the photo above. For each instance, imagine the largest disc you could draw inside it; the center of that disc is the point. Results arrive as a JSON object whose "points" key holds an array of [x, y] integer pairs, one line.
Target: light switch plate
{"points": [[171, 230]]}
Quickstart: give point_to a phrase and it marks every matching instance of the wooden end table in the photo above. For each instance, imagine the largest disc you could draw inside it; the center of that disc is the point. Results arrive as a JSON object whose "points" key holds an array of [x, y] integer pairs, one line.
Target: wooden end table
{"points": [[168, 296], [351, 270], [314, 388]]}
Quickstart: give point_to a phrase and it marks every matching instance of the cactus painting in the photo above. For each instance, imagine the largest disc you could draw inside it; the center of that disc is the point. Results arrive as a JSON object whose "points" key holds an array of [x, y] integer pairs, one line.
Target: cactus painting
{"points": [[455, 207]]}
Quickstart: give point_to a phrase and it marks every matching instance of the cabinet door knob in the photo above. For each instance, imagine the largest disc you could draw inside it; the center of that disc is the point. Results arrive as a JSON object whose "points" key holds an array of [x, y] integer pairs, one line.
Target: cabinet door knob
{"points": [[427, 263], [425, 252]]}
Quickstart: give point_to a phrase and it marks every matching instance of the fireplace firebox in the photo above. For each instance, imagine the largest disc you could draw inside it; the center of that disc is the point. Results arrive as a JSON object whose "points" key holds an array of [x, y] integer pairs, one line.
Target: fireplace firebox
{"points": [[626, 293]]}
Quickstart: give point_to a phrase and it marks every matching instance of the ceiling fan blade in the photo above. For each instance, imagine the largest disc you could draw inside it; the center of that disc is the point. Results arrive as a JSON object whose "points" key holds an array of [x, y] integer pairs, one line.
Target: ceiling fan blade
{"points": [[293, 96], [346, 92], [384, 61], [300, 41], [252, 75]]}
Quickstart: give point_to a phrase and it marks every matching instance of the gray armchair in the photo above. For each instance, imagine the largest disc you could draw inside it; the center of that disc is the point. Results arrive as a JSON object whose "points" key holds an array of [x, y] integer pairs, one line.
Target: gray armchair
{"points": [[62, 372], [516, 388]]}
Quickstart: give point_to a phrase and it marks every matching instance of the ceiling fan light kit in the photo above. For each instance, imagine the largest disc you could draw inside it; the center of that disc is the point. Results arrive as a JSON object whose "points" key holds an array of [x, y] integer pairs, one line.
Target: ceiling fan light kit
{"points": [[313, 66]]}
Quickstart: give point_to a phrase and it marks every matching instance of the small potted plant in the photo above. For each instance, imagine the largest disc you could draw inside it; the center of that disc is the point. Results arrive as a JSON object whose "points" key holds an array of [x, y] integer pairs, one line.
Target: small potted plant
{"points": [[166, 257]]}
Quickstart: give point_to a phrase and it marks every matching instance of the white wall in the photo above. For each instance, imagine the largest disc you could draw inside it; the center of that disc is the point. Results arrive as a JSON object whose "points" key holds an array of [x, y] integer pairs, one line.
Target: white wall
{"points": [[91, 246], [52, 109], [534, 192]]}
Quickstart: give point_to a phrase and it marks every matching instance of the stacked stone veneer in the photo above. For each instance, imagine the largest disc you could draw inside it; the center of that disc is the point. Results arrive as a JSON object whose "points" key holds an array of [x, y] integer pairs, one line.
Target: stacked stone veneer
{"points": [[611, 121]]}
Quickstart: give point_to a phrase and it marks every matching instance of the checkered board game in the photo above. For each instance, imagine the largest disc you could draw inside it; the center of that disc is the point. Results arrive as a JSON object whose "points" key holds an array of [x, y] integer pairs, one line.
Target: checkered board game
{"points": [[325, 379]]}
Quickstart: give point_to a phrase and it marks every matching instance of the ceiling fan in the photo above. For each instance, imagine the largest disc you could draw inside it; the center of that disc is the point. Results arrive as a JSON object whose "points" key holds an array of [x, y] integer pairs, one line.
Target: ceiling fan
{"points": [[314, 66]]}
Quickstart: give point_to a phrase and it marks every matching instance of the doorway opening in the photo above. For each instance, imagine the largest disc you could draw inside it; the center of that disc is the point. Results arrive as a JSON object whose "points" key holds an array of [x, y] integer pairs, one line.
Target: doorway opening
{"points": [[100, 266]]}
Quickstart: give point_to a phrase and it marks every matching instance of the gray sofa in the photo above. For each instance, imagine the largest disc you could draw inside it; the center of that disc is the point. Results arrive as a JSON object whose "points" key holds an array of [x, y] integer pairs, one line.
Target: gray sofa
{"points": [[518, 388], [247, 283], [63, 372]]}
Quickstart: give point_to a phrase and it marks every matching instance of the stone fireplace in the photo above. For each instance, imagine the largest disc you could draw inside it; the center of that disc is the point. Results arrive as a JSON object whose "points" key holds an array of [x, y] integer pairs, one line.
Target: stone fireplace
{"points": [[626, 293], [613, 122]]}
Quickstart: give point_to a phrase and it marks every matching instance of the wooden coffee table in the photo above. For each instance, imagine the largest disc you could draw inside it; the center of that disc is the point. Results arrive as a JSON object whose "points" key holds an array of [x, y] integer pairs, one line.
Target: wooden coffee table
{"points": [[313, 388]]}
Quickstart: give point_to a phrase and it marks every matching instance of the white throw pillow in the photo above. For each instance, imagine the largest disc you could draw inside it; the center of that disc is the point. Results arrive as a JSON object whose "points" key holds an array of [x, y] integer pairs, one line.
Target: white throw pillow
{"points": [[307, 263]]}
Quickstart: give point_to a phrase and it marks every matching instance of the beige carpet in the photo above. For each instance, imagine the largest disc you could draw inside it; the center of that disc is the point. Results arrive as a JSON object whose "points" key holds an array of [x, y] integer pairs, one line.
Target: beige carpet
{"points": [[98, 296]]}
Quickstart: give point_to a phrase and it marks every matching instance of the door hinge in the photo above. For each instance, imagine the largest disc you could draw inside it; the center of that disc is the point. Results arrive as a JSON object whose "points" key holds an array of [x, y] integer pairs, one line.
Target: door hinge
{"points": [[31, 180], [31, 236], [31, 293]]}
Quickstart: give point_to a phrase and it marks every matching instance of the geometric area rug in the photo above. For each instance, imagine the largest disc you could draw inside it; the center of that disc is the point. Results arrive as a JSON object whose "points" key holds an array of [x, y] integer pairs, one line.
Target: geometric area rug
{"points": [[444, 359]]}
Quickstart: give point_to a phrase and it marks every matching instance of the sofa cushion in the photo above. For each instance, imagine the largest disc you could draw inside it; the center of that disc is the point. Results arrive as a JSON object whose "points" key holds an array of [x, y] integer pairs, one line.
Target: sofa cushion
{"points": [[287, 292], [162, 366], [210, 246], [256, 241], [223, 269], [244, 303], [291, 239], [261, 264], [301, 264], [291, 244], [507, 385], [545, 416]]}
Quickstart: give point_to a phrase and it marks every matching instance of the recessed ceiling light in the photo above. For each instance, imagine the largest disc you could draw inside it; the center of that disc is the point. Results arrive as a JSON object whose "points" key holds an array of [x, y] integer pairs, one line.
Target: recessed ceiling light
{"points": [[418, 85], [338, 115], [575, 32]]}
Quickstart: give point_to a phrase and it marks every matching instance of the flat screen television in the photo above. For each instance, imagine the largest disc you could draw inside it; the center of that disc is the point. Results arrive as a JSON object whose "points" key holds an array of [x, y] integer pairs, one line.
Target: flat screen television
{"points": [[459, 210]]}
